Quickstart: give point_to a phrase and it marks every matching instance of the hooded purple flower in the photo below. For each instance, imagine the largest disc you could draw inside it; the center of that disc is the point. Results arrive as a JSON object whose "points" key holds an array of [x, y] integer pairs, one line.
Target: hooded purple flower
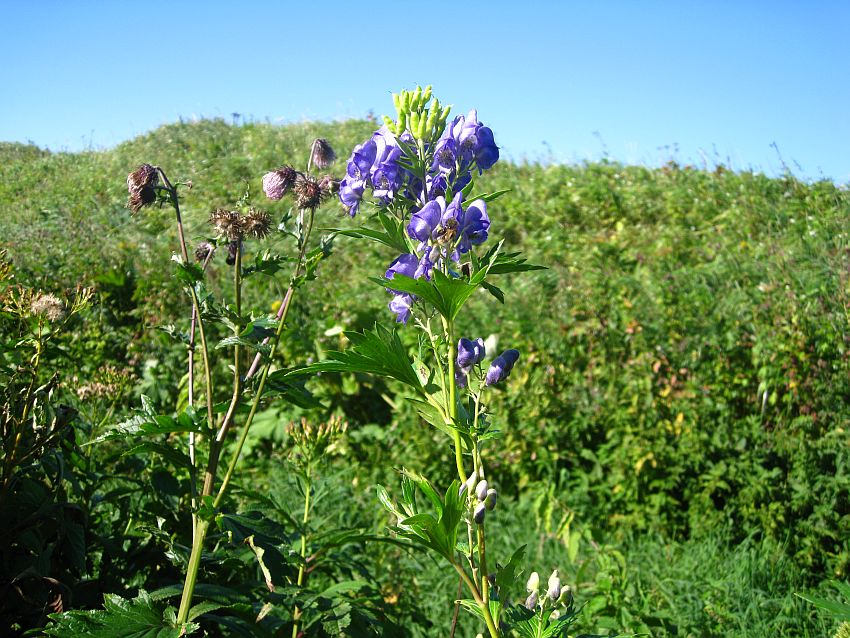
{"points": [[385, 174], [400, 305], [426, 220], [474, 226], [469, 353], [501, 367], [352, 186], [406, 264]]}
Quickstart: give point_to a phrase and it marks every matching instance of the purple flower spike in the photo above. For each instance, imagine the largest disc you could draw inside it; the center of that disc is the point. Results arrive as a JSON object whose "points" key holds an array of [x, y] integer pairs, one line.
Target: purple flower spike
{"points": [[460, 378], [501, 367], [469, 353]]}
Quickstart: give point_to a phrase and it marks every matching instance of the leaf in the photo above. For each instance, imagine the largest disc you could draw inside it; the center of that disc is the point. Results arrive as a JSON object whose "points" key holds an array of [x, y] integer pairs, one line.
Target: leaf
{"points": [[493, 290], [120, 618], [839, 611], [292, 392], [378, 352], [506, 576], [168, 452], [190, 273], [149, 423]]}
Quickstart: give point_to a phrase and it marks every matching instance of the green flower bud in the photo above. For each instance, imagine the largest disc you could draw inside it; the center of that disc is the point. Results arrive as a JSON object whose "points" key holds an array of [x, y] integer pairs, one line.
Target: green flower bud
{"points": [[427, 95], [396, 102], [490, 500], [415, 104], [389, 122]]}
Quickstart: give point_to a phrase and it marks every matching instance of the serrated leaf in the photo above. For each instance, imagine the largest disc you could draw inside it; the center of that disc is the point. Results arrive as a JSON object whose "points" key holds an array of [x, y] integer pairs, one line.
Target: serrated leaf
{"points": [[120, 618], [148, 423], [379, 352]]}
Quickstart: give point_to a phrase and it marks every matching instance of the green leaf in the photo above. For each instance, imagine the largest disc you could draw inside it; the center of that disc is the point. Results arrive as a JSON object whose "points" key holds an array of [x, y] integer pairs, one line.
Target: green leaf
{"points": [[292, 391], [120, 618], [190, 273], [378, 352], [506, 576], [168, 452], [493, 290], [839, 611], [148, 423]]}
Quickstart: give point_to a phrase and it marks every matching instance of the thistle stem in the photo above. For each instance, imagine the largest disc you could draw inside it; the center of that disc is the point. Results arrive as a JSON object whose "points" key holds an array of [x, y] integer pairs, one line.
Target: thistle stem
{"points": [[296, 614]]}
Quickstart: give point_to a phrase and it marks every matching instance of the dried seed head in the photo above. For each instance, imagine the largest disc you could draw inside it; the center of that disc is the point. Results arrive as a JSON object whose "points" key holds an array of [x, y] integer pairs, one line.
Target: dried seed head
{"points": [[329, 186], [322, 155], [277, 183], [203, 250], [227, 223], [308, 193], [48, 306], [257, 223], [141, 184]]}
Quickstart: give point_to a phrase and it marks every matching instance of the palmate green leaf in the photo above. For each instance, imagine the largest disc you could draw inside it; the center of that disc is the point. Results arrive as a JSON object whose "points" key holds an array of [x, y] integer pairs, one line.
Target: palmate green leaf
{"points": [[447, 295], [499, 263], [379, 352], [148, 423], [495, 609], [267, 263], [506, 576], [120, 618], [252, 335], [190, 273], [292, 391]]}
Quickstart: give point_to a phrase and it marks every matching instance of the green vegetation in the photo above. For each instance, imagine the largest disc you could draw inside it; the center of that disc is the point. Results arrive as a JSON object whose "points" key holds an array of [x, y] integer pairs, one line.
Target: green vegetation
{"points": [[676, 439]]}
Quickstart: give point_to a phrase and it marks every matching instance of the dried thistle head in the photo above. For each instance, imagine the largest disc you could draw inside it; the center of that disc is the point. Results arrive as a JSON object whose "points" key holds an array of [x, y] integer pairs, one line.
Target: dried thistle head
{"points": [[141, 184], [257, 223], [227, 223], [203, 251], [48, 306], [329, 186], [322, 154], [308, 193], [278, 182]]}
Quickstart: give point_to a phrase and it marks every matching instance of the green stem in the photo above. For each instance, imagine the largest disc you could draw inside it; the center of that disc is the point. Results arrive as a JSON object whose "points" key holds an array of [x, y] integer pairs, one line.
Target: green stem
{"points": [[217, 444], [452, 406], [200, 534], [296, 614], [476, 595]]}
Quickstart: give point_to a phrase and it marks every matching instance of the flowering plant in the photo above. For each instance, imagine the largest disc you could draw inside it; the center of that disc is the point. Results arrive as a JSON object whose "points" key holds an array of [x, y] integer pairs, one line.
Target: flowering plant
{"points": [[417, 174]]}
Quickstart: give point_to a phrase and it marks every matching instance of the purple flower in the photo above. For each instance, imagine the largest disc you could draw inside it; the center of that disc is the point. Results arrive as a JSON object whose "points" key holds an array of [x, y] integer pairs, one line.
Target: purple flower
{"points": [[400, 305], [406, 264], [474, 226], [469, 353], [351, 193], [352, 186], [501, 367], [460, 378], [426, 220]]}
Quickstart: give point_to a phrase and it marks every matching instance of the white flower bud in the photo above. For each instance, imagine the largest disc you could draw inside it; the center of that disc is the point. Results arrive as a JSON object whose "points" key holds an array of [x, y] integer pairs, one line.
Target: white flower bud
{"points": [[490, 501], [531, 601], [533, 583], [481, 490], [554, 590]]}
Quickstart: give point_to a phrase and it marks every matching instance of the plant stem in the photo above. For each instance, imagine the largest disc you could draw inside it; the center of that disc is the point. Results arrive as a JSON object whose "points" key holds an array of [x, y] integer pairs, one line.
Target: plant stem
{"points": [[200, 533], [476, 595], [452, 406], [217, 444], [296, 614]]}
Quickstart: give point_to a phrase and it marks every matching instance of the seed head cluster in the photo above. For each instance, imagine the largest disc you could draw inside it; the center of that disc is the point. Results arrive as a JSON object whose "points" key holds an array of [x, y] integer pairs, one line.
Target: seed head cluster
{"points": [[235, 227], [48, 306], [308, 191], [322, 154], [141, 185]]}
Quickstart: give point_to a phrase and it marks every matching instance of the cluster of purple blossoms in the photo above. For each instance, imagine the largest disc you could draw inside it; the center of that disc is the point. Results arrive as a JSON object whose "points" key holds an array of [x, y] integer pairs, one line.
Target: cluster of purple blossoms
{"points": [[469, 353], [373, 164]]}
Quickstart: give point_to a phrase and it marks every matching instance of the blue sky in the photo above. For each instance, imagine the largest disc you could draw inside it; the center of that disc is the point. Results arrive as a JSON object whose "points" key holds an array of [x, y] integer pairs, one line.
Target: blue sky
{"points": [[640, 82]]}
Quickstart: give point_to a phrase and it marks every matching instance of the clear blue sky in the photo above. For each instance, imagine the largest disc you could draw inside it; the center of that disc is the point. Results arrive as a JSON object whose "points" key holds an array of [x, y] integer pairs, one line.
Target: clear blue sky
{"points": [[640, 81]]}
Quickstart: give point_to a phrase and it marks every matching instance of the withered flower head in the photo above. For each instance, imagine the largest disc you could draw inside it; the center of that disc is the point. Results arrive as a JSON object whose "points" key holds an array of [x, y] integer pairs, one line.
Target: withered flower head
{"points": [[141, 185], [329, 186], [322, 154], [277, 183], [257, 223], [308, 193], [227, 223], [48, 306], [203, 250]]}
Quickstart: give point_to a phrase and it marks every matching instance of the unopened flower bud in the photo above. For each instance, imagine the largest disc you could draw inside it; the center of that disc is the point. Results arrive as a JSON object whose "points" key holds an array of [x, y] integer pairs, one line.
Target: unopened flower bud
{"points": [[501, 367], [478, 514], [203, 250], [566, 597], [277, 183], [554, 589], [481, 490], [555, 614], [533, 583], [232, 250], [531, 601], [490, 499]]}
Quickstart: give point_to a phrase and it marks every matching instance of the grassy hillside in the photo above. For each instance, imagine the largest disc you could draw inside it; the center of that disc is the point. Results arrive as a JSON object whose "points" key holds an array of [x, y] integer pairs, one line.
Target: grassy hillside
{"points": [[680, 416]]}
